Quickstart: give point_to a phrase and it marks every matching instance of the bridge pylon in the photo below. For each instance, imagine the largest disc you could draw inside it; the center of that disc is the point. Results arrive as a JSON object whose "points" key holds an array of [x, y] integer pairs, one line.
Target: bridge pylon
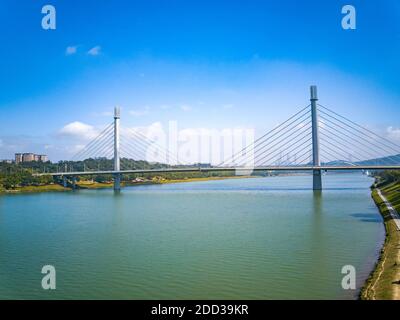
{"points": [[117, 176], [317, 181]]}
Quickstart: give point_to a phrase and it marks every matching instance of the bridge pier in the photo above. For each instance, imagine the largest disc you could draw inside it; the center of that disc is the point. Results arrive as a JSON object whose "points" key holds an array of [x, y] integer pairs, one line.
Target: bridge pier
{"points": [[64, 181], [73, 183], [117, 182], [317, 181]]}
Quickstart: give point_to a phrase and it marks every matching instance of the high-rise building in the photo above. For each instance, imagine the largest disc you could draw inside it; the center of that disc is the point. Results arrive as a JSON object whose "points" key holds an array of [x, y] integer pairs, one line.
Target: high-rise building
{"points": [[18, 157], [29, 157], [43, 158]]}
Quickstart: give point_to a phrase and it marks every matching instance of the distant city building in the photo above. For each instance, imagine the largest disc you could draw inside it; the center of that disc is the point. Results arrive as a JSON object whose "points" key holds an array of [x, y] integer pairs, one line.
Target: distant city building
{"points": [[6, 161], [18, 157], [29, 157], [203, 165], [43, 158]]}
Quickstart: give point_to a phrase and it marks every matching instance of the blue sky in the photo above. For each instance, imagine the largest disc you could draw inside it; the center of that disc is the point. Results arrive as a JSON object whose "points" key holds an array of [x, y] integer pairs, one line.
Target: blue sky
{"points": [[205, 64]]}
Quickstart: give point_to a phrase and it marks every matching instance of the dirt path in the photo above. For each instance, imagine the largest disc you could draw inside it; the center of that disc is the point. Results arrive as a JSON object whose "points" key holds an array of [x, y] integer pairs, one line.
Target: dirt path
{"points": [[383, 283], [396, 218]]}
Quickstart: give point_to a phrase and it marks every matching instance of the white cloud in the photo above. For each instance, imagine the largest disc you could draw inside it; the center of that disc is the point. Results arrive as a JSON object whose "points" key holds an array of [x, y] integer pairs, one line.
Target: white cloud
{"points": [[303, 125], [186, 108], [140, 112], [79, 130], [393, 133], [71, 50], [227, 106], [103, 114], [71, 150], [94, 51], [107, 114]]}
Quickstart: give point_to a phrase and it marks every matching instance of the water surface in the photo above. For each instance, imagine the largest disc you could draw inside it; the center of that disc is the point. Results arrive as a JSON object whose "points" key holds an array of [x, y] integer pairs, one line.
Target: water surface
{"points": [[260, 238]]}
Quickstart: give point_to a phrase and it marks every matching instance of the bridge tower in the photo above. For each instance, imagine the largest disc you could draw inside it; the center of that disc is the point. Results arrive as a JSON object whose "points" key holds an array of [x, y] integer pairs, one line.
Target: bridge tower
{"points": [[117, 176], [317, 183]]}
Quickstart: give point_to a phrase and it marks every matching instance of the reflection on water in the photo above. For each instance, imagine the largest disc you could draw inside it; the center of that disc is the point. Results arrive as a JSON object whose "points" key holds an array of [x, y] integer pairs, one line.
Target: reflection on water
{"points": [[255, 238]]}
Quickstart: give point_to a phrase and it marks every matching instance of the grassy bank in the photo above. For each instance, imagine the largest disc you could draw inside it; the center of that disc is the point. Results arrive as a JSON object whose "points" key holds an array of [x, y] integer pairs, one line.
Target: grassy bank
{"points": [[96, 185], [31, 189], [384, 282], [103, 185], [204, 179]]}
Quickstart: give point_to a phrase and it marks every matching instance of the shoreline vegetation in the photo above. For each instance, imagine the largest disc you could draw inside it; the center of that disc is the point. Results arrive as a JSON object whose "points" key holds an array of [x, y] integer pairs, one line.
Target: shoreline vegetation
{"points": [[91, 184], [384, 281], [20, 178]]}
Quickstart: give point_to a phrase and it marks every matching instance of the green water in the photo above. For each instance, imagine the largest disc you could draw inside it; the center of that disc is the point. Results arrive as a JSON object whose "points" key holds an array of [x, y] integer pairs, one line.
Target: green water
{"points": [[258, 238]]}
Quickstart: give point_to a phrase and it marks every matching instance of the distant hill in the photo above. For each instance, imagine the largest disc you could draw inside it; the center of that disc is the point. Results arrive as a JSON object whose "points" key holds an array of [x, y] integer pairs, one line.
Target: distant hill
{"points": [[381, 161], [371, 162], [338, 163]]}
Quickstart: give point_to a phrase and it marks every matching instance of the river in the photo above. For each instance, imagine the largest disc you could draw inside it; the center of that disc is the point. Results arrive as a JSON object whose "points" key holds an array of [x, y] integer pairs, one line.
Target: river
{"points": [[258, 238]]}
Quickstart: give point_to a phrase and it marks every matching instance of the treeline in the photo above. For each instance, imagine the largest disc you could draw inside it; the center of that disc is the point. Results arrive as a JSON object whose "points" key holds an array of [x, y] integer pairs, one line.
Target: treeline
{"points": [[155, 176], [20, 175], [97, 164], [387, 176], [22, 178]]}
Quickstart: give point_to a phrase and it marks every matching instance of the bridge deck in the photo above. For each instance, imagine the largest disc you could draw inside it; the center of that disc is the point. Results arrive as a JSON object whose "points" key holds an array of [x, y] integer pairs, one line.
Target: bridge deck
{"points": [[237, 169]]}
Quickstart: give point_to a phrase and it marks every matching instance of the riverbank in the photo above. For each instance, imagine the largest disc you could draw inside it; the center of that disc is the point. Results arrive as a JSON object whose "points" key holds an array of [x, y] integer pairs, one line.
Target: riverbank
{"points": [[35, 189], [384, 282], [105, 185], [95, 185]]}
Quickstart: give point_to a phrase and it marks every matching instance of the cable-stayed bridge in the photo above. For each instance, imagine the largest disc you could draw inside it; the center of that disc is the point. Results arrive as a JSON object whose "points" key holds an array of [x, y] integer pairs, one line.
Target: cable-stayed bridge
{"points": [[315, 139]]}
